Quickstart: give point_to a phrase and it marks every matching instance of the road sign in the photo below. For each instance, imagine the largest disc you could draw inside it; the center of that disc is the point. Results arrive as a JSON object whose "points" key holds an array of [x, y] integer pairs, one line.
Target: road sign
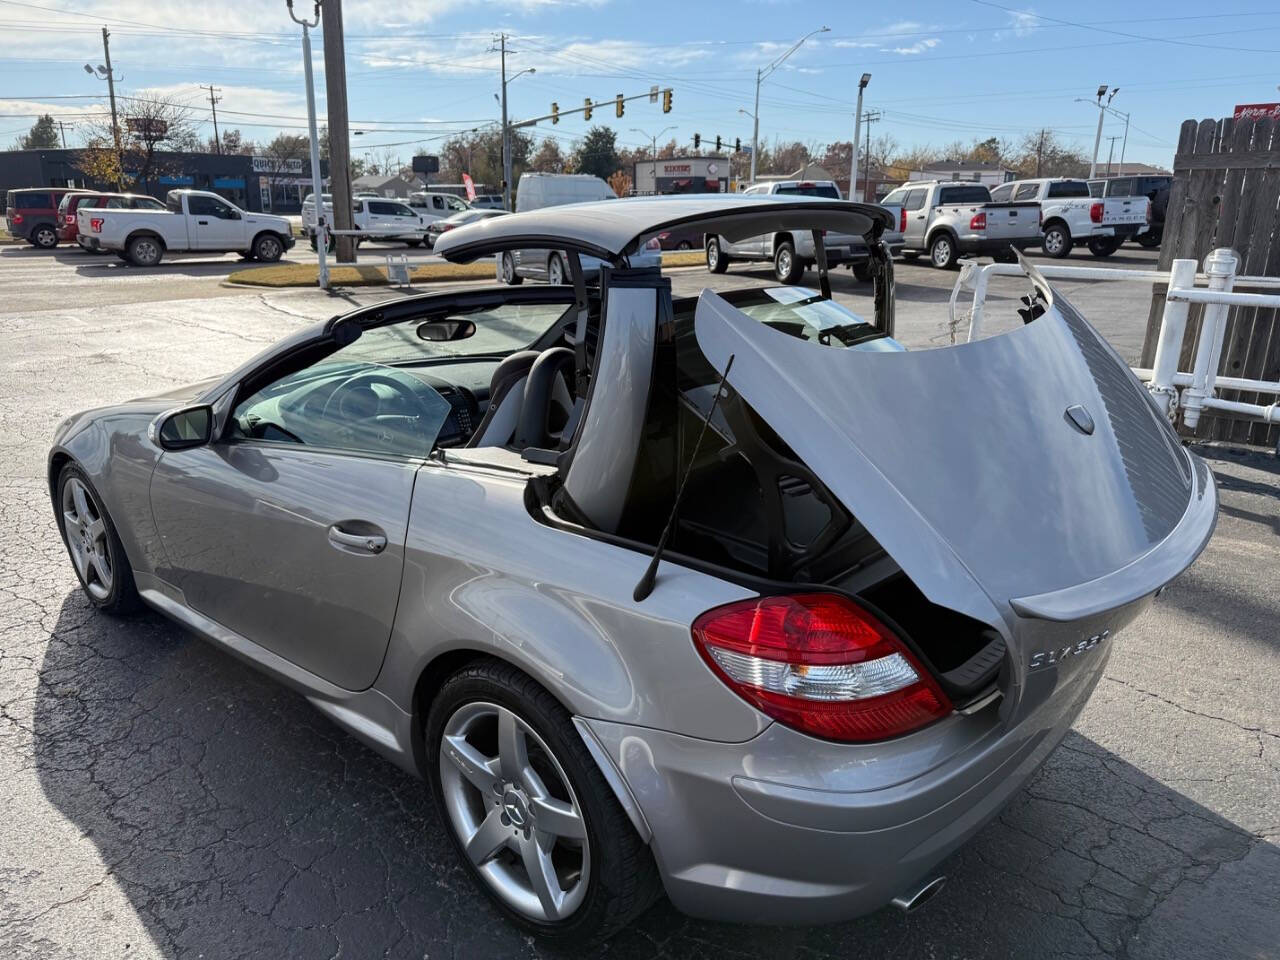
{"points": [[426, 163]]}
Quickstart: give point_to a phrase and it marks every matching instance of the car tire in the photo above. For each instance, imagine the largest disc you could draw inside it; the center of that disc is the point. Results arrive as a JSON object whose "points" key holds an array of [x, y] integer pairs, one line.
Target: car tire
{"points": [[507, 270], [1103, 246], [787, 267], [1149, 240], [717, 259], [1056, 241], [942, 251], [862, 271], [44, 237], [611, 873], [413, 243], [96, 553], [145, 251], [268, 248], [556, 270]]}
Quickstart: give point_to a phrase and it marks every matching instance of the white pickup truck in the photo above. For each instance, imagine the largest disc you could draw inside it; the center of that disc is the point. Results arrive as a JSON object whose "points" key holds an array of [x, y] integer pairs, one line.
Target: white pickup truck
{"points": [[381, 218], [1070, 216], [792, 254], [192, 221], [946, 219]]}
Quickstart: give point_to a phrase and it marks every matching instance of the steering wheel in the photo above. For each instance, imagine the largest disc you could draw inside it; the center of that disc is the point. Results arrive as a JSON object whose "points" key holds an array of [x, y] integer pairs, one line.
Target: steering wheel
{"points": [[345, 391]]}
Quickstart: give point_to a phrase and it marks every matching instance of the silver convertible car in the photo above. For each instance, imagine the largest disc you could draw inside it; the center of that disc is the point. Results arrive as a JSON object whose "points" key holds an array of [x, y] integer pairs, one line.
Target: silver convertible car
{"points": [[726, 596]]}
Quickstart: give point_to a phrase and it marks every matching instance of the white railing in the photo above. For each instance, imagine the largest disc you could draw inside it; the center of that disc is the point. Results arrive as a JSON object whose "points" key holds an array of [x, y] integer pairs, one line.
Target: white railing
{"points": [[1191, 391]]}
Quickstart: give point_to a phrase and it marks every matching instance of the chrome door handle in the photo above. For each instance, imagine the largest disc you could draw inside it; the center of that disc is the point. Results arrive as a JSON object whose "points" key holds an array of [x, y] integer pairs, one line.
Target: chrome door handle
{"points": [[364, 542]]}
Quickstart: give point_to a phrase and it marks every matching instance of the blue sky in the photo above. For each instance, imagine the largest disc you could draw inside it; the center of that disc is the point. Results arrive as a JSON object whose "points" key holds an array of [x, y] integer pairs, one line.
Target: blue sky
{"points": [[422, 69]]}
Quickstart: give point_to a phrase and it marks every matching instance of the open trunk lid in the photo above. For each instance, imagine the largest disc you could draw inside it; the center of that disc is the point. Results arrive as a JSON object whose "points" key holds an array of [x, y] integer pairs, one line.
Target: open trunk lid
{"points": [[1026, 475]]}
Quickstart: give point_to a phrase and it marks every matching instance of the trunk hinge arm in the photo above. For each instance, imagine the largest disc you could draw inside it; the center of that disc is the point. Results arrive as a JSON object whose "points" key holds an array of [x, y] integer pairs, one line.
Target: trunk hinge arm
{"points": [[583, 306]]}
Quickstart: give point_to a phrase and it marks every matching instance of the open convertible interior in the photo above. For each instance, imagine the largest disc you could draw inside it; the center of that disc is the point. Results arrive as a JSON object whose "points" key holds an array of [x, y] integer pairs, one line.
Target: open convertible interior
{"points": [[600, 401]]}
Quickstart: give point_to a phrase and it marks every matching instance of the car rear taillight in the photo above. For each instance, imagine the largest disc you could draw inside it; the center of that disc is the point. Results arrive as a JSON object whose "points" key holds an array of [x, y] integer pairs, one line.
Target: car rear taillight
{"points": [[16, 218], [95, 224], [821, 664], [902, 220], [978, 221], [653, 244], [1095, 212], [69, 218]]}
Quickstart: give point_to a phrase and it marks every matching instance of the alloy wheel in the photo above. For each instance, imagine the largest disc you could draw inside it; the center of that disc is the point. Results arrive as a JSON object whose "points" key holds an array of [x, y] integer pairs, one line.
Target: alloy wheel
{"points": [[941, 252], [269, 249], [555, 271], [713, 254], [45, 237], [508, 268], [511, 805], [784, 263], [86, 533]]}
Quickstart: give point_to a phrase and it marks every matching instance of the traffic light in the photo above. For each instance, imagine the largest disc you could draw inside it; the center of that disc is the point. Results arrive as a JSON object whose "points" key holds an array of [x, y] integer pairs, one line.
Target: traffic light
{"points": [[697, 140], [717, 143], [666, 101], [737, 145], [555, 112], [586, 109], [618, 106]]}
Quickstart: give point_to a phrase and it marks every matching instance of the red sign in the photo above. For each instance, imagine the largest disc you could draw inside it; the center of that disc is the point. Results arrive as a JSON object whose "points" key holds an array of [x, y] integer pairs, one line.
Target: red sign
{"points": [[1257, 111], [471, 187]]}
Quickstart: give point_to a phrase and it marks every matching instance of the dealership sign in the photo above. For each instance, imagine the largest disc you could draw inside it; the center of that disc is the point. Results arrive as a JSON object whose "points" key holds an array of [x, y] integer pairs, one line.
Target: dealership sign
{"points": [[1257, 111], [291, 165]]}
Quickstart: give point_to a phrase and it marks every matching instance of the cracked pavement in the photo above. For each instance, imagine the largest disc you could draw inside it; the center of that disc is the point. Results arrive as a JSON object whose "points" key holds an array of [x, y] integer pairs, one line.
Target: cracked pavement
{"points": [[163, 800]]}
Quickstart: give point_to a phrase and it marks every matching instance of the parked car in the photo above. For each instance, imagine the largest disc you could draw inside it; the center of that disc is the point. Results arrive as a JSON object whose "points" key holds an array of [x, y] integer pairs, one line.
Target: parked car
{"points": [[648, 588], [793, 254], [32, 214], [948, 219], [681, 240], [1156, 188], [1070, 216], [192, 221], [382, 219], [432, 206], [487, 201], [538, 191], [437, 227], [69, 223]]}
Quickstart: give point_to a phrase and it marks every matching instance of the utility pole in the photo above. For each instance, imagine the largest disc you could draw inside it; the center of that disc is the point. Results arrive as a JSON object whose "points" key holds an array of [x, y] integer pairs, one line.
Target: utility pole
{"points": [[317, 182], [115, 122], [1111, 152], [1102, 112], [857, 133], [506, 131], [653, 154], [63, 127], [213, 105], [335, 81], [1040, 151]]}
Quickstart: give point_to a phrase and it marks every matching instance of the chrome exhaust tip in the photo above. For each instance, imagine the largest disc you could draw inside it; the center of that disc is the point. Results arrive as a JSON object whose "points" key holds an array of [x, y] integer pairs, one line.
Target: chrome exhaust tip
{"points": [[909, 902]]}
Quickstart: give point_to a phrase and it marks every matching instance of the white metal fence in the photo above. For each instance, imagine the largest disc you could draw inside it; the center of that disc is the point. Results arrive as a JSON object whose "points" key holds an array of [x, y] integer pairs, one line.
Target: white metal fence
{"points": [[1189, 392]]}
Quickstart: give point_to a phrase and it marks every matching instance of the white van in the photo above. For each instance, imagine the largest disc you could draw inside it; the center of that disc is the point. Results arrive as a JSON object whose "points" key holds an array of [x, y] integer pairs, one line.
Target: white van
{"points": [[538, 190]]}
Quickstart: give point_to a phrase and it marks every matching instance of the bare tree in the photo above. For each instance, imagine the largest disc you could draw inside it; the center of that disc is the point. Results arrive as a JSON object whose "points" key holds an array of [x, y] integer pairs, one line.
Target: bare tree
{"points": [[152, 127], [549, 158]]}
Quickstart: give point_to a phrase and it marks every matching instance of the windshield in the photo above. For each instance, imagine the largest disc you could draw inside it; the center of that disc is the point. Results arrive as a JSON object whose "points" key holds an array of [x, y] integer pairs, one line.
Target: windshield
{"points": [[828, 190], [805, 315]]}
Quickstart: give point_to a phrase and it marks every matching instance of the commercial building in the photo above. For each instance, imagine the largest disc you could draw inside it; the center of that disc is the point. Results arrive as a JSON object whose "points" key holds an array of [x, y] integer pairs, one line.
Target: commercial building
{"points": [[681, 175], [988, 174], [265, 184]]}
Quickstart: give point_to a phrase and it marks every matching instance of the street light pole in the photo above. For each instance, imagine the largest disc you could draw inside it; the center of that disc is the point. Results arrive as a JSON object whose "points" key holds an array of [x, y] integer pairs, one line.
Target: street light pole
{"points": [[506, 133], [317, 183], [762, 74], [1097, 140], [653, 153], [857, 130]]}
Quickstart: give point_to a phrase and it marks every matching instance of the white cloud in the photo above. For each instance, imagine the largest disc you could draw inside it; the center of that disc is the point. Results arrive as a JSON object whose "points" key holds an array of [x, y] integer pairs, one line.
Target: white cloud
{"points": [[1023, 22], [920, 46]]}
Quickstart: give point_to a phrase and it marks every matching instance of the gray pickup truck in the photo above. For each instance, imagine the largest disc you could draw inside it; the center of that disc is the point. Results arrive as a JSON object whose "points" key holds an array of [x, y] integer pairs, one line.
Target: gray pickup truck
{"points": [[949, 219], [792, 253]]}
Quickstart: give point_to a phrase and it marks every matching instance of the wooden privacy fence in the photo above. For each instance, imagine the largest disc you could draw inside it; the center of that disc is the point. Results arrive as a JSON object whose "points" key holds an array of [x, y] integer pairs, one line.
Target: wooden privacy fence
{"points": [[1226, 193]]}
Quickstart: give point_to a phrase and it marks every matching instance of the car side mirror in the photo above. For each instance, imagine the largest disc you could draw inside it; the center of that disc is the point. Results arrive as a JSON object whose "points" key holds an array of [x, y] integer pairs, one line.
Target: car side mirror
{"points": [[441, 331], [184, 428], [234, 215]]}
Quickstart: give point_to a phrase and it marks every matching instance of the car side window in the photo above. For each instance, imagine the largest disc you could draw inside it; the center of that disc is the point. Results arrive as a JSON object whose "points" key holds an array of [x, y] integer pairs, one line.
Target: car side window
{"points": [[346, 405], [456, 204], [1026, 191], [1001, 194], [437, 202], [914, 200], [383, 209]]}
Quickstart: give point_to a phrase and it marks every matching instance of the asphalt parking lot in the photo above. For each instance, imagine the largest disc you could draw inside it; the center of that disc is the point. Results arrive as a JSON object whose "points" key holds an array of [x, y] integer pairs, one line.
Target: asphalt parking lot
{"points": [[163, 800]]}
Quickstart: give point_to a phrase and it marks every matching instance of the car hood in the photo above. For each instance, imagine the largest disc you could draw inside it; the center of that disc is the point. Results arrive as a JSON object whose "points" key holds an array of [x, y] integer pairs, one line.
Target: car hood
{"points": [[1026, 475]]}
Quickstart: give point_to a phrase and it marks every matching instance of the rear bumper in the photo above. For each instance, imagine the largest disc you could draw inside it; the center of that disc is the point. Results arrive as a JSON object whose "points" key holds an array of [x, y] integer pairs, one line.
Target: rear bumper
{"points": [[989, 245], [788, 829], [89, 243]]}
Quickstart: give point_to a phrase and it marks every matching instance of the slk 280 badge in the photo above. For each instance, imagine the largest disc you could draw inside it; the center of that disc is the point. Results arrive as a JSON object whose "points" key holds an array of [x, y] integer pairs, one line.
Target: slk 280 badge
{"points": [[1049, 658]]}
